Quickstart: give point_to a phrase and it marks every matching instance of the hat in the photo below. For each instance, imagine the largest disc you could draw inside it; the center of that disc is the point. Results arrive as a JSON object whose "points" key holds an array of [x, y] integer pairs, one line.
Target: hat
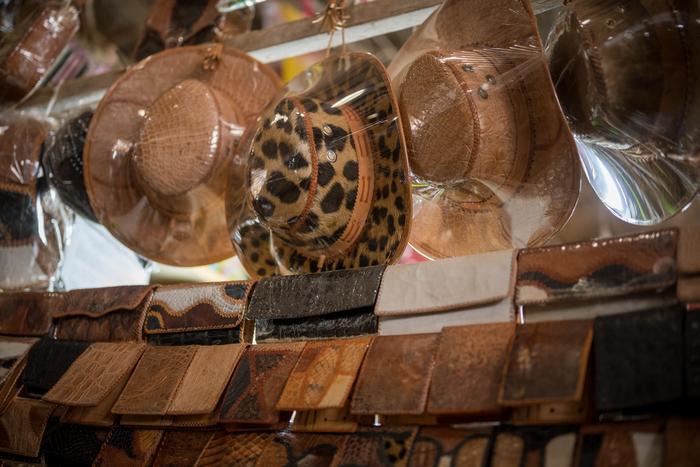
{"points": [[629, 83], [493, 161], [63, 163], [325, 175], [159, 148]]}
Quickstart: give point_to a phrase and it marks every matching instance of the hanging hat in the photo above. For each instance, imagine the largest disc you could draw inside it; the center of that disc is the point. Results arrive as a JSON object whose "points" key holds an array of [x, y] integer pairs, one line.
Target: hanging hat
{"points": [[63, 163], [493, 161], [159, 148], [629, 81], [326, 174]]}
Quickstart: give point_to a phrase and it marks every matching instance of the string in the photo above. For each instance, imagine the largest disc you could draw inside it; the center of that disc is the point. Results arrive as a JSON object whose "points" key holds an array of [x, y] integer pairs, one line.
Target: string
{"points": [[334, 17]]}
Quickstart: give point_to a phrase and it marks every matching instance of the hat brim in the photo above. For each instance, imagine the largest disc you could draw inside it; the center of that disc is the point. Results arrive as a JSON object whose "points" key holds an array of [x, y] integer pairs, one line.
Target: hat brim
{"points": [[359, 81], [201, 236]]}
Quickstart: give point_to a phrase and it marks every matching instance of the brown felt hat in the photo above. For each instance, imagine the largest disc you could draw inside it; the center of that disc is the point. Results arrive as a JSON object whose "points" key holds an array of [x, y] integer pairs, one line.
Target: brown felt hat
{"points": [[160, 145], [493, 161], [325, 175]]}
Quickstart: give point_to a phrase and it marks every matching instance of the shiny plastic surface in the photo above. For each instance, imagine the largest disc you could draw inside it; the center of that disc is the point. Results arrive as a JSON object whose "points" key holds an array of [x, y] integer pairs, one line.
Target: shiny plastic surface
{"points": [[160, 144], [628, 77], [493, 162]]}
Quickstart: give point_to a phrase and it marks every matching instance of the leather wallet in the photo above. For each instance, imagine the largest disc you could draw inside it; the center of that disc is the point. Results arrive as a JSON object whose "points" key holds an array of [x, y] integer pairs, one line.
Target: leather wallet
{"points": [[681, 443], [25, 313], [395, 376], [533, 446], [324, 374], [180, 448], [257, 383], [438, 446], [457, 291], [127, 446], [47, 361], [629, 444], [475, 356], [22, 426], [316, 306], [301, 449], [377, 446], [692, 354], [74, 445], [638, 359], [195, 309], [108, 314], [596, 269], [13, 359], [95, 373], [240, 449]]}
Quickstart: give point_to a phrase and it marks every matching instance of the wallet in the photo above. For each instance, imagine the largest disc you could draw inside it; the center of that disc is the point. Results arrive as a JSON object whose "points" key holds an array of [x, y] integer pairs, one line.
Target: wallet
{"points": [[437, 446], [47, 361], [22, 426], [25, 314], [234, 449]]}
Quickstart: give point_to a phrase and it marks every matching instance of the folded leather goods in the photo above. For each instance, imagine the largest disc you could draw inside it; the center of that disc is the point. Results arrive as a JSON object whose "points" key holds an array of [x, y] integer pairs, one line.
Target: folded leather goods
{"points": [[126, 446], [456, 291], [185, 314], [25, 313], [242, 449], [629, 444], [47, 361], [316, 306], [395, 375], [181, 448], [533, 446], [437, 446], [475, 357], [302, 449], [324, 374], [377, 446], [257, 383], [638, 359], [681, 443], [107, 314], [22, 426], [13, 358], [74, 445]]}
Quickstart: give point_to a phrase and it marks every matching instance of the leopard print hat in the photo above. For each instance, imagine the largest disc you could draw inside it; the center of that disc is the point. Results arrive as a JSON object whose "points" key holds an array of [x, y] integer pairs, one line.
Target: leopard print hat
{"points": [[325, 175]]}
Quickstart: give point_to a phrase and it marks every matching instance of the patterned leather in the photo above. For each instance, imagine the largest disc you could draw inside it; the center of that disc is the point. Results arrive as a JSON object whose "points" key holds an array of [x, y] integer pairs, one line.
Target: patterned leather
{"points": [[209, 337], [181, 448], [95, 374], [154, 382], [533, 446], [22, 426], [475, 356], [47, 361], [128, 447], [239, 449], [377, 447], [100, 414], [438, 446], [324, 374], [599, 268], [185, 308], [25, 313], [257, 383], [692, 354], [638, 359], [73, 445], [404, 389], [312, 450], [547, 363], [323, 305]]}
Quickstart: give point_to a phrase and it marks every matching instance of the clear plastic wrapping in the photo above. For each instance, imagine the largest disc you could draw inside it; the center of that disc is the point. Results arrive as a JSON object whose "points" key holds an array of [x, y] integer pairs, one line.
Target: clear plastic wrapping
{"points": [[493, 162], [34, 224], [628, 78], [33, 37]]}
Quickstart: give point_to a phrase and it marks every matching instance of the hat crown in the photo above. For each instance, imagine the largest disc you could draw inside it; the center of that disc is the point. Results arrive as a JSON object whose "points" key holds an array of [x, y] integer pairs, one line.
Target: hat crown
{"points": [[180, 139]]}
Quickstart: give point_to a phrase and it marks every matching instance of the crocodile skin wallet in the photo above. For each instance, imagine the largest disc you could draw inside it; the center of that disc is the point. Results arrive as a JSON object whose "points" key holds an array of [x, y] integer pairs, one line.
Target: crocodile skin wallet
{"points": [[25, 313], [47, 361], [108, 314], [180, 314], [316, 306], [127, 446], [638, 359], [395, 375], [457, 291]]}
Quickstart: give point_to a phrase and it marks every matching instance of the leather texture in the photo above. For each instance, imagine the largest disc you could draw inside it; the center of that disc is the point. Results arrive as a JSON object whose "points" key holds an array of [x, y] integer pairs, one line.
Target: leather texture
{"points": [[377, 447], [22, 426], [155, 381], [240, 449], [307, 449], [205, 379], [95, 374], [47, 361], [395, 375], [596, 269], [25, 313], [324, 374], [475, 356], [208, 337], [439, 446], [101, 414], [323, 305], [530, 446], [682, 443], [257, 383], [73, 445], [181, 448], [12, 353], [547, 363], [126, 447], [620, 444], [453, 292], [196, 307], [689, 250], [107, 314], [692, 354], [634, 354]]}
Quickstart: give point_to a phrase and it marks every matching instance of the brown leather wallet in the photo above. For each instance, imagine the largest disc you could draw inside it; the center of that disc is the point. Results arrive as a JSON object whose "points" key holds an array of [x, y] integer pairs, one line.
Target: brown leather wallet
{"points": [[127, 446], [25, 313], [377, 446], [242, 449], [22, 426], [302, 449]]}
